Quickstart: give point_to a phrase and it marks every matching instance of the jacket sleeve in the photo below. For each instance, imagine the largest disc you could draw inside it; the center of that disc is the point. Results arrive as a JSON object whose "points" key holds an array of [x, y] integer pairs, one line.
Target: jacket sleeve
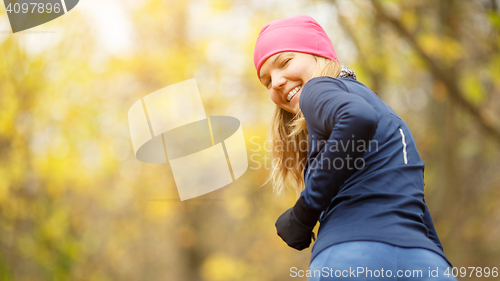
{"points": [[328, 107], [430, 226]]}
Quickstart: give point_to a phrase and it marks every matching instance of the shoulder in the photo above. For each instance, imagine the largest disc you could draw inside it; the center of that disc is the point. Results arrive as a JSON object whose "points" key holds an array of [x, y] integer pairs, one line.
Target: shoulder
{"points": [[325, 83], [320, 88]]}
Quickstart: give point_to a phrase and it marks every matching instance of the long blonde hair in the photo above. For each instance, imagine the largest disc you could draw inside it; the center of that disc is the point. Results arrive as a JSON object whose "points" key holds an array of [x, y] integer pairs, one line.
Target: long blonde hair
{"points": [[288, 133]]}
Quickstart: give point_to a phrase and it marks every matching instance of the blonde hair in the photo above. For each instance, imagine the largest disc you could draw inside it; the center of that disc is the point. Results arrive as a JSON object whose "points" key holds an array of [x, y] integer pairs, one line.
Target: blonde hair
{"points": [[287, 131]]}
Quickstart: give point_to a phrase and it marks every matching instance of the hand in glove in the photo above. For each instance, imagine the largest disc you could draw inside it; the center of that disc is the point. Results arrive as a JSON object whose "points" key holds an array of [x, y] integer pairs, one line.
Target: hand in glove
{"points": [[295, 225]]}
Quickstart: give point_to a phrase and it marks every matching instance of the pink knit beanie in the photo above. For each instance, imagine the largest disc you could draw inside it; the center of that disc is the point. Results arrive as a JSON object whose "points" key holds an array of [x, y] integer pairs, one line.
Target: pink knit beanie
{"points": [[293, 34]]}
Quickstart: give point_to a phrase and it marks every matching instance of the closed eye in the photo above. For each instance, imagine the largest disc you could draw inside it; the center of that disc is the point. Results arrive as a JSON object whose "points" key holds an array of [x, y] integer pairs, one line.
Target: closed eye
{"points": [[285, 62], [268, 83]]}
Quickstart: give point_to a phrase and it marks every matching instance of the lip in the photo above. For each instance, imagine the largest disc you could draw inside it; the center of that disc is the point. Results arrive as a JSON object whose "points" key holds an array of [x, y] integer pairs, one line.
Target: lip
{"points": [[288, 92], [296, 95]]}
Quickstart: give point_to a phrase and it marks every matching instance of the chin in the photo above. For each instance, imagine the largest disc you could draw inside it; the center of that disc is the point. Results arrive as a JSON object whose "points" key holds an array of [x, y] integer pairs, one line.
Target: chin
{"points": [[293, 111]]}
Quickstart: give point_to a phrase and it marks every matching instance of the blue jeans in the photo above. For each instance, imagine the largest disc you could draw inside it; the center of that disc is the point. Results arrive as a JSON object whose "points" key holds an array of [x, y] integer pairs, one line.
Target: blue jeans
{"points": [[369, 260]]}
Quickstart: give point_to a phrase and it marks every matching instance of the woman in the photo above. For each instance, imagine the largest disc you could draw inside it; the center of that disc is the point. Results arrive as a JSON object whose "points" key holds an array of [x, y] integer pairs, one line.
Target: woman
{"points": [[363, 178]]}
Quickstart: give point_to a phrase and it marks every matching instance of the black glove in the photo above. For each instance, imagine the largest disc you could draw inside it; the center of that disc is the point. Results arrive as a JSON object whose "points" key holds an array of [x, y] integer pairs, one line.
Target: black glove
{"points": [[295, 225]]}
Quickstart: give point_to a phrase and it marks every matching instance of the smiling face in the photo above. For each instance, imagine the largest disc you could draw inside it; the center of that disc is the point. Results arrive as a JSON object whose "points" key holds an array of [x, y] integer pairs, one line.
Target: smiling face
{"points": [[284, 75]]}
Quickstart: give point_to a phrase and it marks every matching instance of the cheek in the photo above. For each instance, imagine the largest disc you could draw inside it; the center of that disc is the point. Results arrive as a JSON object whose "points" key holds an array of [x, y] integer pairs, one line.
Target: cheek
{"points": [[297, 72], [313, 69], [275, 97]]}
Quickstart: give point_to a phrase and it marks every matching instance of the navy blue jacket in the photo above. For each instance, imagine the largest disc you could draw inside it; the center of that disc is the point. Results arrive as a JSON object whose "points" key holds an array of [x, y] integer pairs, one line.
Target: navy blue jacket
{"points": [[363, 172]]}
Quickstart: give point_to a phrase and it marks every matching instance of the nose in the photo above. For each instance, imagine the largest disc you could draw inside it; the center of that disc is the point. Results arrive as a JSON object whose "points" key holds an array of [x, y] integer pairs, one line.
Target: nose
{"points": [[277, 82]]}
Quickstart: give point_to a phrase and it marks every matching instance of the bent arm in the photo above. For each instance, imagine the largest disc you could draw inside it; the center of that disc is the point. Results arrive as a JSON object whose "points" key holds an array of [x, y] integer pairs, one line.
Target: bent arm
{"points": [[349, 118]]}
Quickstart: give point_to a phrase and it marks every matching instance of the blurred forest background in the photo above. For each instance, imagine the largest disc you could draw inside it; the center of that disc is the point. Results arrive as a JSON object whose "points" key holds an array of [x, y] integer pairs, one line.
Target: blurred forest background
{"points": [[75, 204]]}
